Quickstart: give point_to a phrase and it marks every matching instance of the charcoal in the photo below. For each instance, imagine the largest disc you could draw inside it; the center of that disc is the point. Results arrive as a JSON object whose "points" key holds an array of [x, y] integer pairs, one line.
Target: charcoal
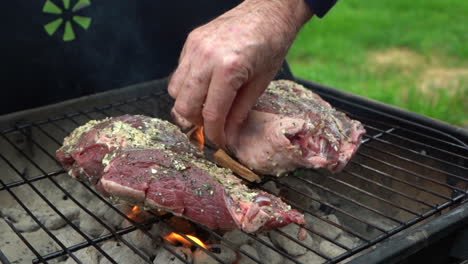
{"points": [[322, 227], [348, 241], [120, 253], [331, 250], [236, 238], [166, 257], [90, 225], [305, 202], [251, 251], [222, 252], [308, 258], [47, 217], [88, 255], [68, 236], [270, 186], [142, 241], [267, 254], [289, 245]]}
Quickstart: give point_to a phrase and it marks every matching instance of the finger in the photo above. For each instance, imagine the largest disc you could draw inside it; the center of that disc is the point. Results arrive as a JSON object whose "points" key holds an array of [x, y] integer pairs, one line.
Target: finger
{"points": [[179, 120], [245, 100], [178, 77], [191, 95], [224, 85]]}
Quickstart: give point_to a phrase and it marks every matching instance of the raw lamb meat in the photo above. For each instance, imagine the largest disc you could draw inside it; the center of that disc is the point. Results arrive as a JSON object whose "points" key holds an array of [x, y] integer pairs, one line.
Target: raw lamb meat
{"points": [[148, 161], [291, 127]]}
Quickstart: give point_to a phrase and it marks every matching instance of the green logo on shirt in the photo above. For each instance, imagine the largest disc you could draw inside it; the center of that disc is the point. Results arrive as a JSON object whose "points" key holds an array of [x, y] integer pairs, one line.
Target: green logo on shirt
{"points": [[68, 33]]}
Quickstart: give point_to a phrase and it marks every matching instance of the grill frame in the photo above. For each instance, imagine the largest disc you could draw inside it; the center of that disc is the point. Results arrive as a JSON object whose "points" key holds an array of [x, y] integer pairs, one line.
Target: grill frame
{"points": [[337, 98]]}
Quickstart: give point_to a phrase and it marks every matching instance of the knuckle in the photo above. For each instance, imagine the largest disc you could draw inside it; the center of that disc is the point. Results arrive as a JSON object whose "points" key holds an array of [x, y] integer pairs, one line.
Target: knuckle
{"points": [[183, 110], [235, 71], [232, 63], [207, 52], [193, 35], [211, 116], [197, 79], [172, 91]]}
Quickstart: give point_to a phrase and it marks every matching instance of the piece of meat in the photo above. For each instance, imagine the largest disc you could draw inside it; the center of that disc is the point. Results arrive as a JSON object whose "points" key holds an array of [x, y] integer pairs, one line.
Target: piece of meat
{"points": [[84, 149], [291, 127], [149, 162]]}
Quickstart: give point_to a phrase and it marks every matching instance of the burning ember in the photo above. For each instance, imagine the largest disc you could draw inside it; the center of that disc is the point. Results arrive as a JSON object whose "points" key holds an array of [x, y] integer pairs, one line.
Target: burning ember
{"points": [[134, 213], [200, 137], [176, 238]]}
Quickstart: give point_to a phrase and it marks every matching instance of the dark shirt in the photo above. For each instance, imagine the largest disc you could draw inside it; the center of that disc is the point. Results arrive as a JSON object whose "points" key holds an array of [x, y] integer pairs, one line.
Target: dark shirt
{"points": [[53, 50], [111, 44]]}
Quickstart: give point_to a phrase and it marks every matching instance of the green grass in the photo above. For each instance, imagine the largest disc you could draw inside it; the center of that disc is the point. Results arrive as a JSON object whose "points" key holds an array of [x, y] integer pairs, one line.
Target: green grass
{"points": [[338, 51]]}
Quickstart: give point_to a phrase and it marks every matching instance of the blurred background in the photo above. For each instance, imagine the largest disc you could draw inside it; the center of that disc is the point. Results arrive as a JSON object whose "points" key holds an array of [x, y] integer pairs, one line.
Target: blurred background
{"points": [[411, 54]]}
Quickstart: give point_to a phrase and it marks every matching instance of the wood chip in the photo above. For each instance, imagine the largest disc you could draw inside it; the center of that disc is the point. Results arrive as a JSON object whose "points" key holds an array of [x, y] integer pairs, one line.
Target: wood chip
{"points": [[224, 160]]}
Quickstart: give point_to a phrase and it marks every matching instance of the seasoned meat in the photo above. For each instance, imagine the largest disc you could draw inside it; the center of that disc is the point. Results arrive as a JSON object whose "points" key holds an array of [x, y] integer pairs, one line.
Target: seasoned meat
{"points": [[147, 161], [84, 149], [291, 127]]}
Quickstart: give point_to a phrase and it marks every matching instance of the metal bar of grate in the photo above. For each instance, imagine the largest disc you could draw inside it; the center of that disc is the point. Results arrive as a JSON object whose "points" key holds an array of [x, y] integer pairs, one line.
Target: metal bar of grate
{"points": [[414, 162], [461, 147], [36, 220], [406, 171], [18, 233], [68, 194], [412, 150], [400, 157], [302, 244], [396, 230], [387, 188], [349, 199], [100, 239], [331, 206], [133, 222], [379, 113], [54, 208], [33, 179], [3, 258], [375, 196]]}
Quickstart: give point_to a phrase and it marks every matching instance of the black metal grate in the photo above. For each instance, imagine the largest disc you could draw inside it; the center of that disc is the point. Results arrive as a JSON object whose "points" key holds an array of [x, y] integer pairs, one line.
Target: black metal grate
{"points": [[400, 175]]}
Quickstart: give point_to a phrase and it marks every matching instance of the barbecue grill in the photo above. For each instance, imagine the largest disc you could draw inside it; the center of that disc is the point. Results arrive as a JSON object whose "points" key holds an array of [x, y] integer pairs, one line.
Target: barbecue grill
{"points": [[404, 191]]}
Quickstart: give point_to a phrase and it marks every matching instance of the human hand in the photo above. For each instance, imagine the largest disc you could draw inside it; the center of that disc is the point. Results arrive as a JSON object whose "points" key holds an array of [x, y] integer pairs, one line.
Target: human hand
{"points": [[226, 64]]}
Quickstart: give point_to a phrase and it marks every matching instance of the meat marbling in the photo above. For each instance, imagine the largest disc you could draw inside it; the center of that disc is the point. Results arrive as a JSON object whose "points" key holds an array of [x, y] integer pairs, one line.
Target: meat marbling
{"points": [[148, 161], [291, 127]]}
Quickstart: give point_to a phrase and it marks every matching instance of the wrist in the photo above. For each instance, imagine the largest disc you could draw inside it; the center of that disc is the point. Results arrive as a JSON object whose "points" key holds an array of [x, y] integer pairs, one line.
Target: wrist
{"points": [[290, 14]]}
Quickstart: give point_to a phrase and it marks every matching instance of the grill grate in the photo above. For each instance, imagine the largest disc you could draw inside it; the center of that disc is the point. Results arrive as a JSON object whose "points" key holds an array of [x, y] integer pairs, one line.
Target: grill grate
{"points": [[402, 176]]}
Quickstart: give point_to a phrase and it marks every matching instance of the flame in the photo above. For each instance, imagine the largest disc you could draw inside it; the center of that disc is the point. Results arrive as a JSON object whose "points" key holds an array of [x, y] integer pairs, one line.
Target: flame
{"points": [[134, 213], [174, 238], [200, 137]]}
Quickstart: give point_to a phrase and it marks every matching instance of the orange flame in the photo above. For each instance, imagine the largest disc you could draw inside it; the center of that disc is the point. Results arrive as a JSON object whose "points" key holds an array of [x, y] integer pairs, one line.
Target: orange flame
{"points": [[134, 213], [200, 137], [176, 238]]}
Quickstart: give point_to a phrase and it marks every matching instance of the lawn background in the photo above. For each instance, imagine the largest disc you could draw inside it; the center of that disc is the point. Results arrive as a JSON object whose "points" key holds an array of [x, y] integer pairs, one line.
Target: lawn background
{"points": [[411, 54]]}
